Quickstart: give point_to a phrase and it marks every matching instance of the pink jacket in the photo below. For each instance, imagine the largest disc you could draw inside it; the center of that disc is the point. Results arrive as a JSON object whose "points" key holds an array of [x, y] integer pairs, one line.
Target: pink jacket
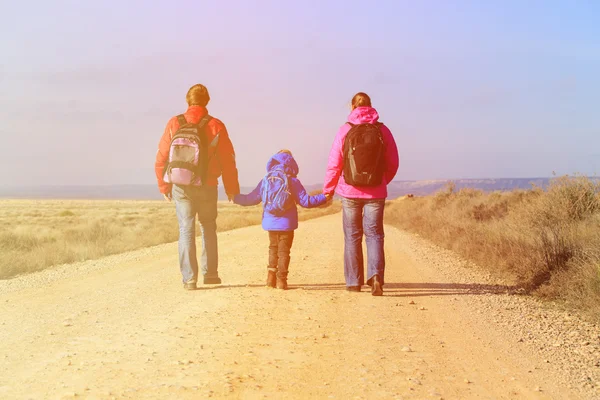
{"points": [[334, 179]]}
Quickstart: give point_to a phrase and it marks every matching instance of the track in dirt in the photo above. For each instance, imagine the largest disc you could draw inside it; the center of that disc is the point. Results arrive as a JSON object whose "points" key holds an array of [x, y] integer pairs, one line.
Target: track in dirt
{"points": [[128, 330]]}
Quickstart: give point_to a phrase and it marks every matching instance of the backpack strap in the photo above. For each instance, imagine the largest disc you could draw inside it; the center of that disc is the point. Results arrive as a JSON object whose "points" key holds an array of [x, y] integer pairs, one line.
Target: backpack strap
{"points": [[181, 119], [204, 121]]}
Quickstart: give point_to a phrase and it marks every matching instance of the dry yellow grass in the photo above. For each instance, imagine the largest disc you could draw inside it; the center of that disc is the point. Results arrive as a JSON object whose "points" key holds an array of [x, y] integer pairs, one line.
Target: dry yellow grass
{"points": [[545, 241], [37, 234]]}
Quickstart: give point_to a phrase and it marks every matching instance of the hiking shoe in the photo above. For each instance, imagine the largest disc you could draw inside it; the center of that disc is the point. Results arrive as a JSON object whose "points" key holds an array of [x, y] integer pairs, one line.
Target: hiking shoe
{"points": [[271, 278], [190, 286], [376, 286], [212, 281], [282, 284], [353, 288]]}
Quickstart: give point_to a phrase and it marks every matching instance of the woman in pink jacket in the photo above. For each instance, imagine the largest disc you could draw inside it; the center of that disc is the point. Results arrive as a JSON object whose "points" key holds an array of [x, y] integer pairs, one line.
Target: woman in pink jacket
{"points": [[362, 162]]}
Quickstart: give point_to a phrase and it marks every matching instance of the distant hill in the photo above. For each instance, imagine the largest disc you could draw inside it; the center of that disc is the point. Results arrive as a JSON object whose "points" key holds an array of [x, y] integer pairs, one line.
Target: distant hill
{"points": [[422, 188], [150, 192]]}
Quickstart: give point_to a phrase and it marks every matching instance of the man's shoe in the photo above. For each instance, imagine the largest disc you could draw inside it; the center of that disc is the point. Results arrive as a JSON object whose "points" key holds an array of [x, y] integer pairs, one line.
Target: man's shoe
{"points": [[282, 284], [190, 286], [212, 281], [353, 288], [376, 286], [271, 278]]}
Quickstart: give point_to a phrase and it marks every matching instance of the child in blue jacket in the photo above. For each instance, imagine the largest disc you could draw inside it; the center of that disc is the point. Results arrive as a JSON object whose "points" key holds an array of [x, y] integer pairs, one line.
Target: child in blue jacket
{"points": [[280, 220]]}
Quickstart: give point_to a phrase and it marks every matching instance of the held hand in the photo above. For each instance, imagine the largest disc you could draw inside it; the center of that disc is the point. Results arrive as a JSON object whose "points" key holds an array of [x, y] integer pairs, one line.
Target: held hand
{"points": [[168, 196], [230, 197]]}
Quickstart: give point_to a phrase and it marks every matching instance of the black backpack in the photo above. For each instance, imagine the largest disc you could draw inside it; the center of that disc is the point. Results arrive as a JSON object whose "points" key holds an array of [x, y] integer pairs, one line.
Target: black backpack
{"points": [[188, 153], [364, 155]]}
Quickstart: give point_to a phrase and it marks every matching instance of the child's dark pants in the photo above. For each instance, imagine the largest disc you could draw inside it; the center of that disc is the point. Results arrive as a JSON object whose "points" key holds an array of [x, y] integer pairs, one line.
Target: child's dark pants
{"points": [[279, 251]]}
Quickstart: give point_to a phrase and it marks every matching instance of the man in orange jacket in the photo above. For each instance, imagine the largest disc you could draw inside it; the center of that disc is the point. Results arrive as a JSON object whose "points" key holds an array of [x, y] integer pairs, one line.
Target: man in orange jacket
{"points": [[200, 198]]}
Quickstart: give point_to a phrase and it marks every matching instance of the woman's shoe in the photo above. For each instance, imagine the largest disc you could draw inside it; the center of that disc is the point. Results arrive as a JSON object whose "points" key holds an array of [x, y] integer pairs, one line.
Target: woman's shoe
{"points": [[353, 288], [271, 277]]}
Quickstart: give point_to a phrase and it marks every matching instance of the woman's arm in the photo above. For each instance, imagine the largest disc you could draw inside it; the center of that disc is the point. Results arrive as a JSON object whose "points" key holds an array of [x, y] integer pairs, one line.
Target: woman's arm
{"points": [[391, 154], [335, 163]]}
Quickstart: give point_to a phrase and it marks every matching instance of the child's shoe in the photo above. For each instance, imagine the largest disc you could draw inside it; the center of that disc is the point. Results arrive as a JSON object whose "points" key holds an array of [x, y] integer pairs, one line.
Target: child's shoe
{"points": [[271, 277], [282, 284]]}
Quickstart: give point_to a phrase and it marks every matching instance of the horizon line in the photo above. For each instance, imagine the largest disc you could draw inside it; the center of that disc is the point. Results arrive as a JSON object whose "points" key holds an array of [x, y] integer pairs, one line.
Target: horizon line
{"points": [[310, 184]]}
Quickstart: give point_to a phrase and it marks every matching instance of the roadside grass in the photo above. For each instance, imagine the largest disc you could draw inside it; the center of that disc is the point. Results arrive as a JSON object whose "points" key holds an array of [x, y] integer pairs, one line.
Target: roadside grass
{"points": [[544, 241], [37, 234]]}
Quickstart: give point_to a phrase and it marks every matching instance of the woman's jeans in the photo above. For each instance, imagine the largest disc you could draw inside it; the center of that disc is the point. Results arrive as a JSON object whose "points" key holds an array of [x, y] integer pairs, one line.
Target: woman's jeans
{"points": [[189, 202], [363, 216]]}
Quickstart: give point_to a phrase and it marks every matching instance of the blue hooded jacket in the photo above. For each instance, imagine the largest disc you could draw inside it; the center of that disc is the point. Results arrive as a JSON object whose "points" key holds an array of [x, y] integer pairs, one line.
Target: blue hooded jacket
{"points": [[288, 221]]}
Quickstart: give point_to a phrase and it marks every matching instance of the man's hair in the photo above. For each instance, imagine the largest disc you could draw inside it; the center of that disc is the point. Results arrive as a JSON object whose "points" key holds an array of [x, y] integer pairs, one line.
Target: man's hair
{"points": [[197, 96]]}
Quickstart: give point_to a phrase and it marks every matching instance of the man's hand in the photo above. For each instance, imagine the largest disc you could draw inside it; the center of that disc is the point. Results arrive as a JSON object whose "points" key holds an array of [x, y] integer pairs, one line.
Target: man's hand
{"points": [[168, 196]]}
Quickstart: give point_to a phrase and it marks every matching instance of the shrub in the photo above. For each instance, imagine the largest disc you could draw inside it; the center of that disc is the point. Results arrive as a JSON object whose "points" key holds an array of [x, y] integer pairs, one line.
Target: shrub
{"points": [[544, 240]]}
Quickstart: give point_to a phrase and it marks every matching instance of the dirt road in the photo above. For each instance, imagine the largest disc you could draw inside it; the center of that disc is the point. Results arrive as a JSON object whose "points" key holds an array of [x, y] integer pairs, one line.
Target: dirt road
{"points": [[123, 327]]}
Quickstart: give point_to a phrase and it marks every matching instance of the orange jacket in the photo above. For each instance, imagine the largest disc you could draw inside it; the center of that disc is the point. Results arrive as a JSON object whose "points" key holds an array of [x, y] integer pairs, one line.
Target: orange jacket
{"points": [[222, 164]]}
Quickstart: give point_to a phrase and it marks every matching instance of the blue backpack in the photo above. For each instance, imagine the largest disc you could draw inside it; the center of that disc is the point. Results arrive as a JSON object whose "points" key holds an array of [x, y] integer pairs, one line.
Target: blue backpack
{"points": [[276, 192]]}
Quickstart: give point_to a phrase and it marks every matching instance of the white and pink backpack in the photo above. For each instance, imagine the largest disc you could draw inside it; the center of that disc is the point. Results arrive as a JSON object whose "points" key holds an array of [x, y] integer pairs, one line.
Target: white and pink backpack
{"points": [[188, 153]]}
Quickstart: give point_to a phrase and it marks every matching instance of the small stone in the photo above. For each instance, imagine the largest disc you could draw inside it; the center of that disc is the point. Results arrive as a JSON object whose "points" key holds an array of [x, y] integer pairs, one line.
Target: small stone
{"points": [[411, 302], [406, 349], [67, 323], [238, 334], [50, 333], [324, 336], [422, 308], [467, 381], [537, 389]]}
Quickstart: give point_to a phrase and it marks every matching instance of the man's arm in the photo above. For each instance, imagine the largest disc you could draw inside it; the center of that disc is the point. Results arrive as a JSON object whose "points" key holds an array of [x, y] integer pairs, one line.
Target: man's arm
{"points": [[162, 157], [226, 157]]}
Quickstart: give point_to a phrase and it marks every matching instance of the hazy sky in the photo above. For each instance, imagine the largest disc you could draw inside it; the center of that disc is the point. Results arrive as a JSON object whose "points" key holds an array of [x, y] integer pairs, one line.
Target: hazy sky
{"points": [[470, 89]]}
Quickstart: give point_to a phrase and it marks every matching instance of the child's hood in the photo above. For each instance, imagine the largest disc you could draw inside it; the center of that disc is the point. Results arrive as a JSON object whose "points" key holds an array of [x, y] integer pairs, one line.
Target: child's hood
{"points": [[285, 161]]}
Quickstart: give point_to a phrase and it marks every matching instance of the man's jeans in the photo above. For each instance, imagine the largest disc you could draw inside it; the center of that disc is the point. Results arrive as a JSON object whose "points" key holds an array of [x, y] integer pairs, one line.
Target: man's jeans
{"points": [[363, 215], [280, 244], [189, 201]]}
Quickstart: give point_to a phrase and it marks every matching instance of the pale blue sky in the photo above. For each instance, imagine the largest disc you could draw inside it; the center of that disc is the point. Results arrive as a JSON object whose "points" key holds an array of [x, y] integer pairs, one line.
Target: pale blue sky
{"points": [[469, 88]]}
